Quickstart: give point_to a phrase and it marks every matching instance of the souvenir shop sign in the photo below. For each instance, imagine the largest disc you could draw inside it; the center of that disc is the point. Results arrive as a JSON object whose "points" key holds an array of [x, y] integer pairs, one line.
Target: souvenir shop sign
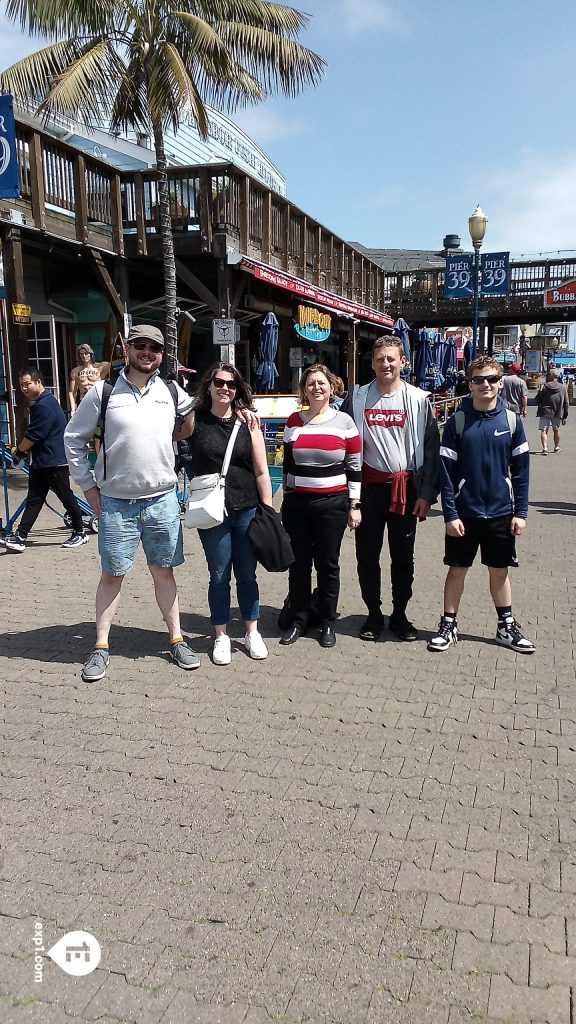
{"points": [[312, 324], [21, 314]]}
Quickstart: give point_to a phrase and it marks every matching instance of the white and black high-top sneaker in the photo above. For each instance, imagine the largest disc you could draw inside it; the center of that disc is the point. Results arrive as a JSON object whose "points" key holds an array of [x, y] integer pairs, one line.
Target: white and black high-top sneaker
{"points": [[446, 636], [509, 634]]}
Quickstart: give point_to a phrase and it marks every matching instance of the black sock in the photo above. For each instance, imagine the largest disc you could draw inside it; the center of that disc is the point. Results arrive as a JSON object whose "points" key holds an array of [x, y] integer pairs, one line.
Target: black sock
{"points": [[450, 615], [504, 613]]}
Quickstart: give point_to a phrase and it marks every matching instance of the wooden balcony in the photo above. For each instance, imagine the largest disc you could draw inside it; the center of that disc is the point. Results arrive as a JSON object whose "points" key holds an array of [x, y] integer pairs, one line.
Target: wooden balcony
{"points": [[79, 199], [418, 295]]}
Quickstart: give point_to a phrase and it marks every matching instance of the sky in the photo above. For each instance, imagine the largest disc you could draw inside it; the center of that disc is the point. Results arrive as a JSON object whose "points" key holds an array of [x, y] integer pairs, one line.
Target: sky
{"points": [[426, 109]]}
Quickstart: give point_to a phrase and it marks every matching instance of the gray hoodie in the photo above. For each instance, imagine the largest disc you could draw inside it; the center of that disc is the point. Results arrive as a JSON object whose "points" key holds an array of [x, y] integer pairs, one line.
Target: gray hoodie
{"points": [[552, 400]]}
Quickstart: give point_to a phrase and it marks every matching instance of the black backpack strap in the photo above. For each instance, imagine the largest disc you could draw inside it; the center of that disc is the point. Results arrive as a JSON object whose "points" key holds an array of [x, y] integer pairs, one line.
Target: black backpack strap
{"points": [[171, 385], [107, 389]]}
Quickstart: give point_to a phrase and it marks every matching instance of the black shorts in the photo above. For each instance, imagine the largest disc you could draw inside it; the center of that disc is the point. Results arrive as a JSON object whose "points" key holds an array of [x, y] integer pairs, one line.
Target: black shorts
{"points": [[497, 545]]}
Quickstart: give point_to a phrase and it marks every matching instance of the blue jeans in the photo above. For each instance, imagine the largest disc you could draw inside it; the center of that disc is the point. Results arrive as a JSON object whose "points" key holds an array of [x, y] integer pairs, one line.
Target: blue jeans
{"points": [[228, 547]]}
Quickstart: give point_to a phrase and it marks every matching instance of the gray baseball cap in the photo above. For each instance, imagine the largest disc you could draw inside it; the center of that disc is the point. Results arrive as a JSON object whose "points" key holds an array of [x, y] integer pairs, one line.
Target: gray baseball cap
{"points": [[145, 332]]}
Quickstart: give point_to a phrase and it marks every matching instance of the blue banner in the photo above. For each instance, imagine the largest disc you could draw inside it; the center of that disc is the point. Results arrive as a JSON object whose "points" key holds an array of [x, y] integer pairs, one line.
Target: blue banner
{"points": [[494, 273], [9, 176], [458, 280]]}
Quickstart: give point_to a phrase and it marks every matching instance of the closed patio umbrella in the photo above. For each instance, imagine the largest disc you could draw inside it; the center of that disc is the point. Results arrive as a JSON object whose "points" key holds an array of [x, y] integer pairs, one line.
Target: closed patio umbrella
{"points": [[266, 373], [402, 331], [423, 359]]}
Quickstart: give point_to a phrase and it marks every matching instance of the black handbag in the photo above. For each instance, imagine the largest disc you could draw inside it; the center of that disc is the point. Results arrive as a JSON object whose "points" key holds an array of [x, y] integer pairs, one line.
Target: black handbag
{"points": [[270, 542]]}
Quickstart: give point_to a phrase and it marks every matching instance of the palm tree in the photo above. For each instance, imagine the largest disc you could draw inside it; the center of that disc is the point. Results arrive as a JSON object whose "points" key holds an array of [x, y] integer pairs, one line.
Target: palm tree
{"points": [[141, 64]]}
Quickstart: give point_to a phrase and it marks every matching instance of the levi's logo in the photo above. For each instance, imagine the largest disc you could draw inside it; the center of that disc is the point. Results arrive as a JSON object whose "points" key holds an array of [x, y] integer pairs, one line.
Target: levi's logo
{"points": [[387, 418]]}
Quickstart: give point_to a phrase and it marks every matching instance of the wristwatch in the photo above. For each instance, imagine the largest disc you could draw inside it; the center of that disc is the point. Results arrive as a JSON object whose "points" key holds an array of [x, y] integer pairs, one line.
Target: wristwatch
{"points": [[355, 506]]}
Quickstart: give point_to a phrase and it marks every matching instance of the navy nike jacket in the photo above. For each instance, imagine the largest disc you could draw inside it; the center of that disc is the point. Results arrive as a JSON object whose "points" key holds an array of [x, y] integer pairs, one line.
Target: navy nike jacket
{"points": [[485, 469]]}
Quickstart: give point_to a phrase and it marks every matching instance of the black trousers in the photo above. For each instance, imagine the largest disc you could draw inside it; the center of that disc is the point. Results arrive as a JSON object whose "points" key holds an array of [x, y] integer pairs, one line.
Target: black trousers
{"points": [[369, 540], [315, 524], [41, 481]]}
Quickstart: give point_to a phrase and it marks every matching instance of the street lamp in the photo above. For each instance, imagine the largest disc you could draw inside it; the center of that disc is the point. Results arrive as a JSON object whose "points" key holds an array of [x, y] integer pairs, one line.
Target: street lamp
{"points": [[477, 228]]}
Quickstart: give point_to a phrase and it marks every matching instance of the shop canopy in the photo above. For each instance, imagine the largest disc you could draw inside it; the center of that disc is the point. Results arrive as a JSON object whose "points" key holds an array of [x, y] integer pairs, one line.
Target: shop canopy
{"points": [[336, 303]]}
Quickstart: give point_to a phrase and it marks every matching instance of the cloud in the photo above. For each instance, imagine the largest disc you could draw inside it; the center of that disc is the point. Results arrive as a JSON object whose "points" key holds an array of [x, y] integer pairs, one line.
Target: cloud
{"points": [[265, 125], [532, 206], [370, 14]]}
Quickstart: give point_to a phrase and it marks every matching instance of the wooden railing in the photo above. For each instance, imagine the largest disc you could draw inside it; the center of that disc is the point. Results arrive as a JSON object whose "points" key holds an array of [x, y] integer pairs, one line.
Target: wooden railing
{"points": [[75, 196]]}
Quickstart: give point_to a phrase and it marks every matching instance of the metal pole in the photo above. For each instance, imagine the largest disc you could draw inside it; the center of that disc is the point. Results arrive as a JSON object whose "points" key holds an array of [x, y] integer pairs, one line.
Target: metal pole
{"points": [[476, 300]]}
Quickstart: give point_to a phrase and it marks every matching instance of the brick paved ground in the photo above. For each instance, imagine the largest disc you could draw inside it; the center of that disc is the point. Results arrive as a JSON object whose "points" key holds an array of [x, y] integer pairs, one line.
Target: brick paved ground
{"points": [[365, 835]]}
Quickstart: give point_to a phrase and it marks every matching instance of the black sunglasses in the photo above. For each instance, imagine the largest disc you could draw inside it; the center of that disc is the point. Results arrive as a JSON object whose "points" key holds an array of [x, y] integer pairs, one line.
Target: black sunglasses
{"points": [[152, 345], [219, 382], [492, 379]]}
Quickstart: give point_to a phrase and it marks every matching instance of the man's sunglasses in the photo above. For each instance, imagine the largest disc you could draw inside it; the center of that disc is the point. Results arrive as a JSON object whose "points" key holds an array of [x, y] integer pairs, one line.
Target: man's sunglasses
{"points": [[153, 346], [492, 379], [219, 382]]}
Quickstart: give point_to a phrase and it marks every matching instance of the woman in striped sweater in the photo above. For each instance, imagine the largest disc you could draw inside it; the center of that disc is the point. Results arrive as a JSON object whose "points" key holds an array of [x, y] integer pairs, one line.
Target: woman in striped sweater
{"points": [[322, 472]]}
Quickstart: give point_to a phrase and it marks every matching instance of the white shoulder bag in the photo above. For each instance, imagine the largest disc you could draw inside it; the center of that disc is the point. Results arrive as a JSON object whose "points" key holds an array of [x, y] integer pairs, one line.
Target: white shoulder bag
{"points": [[206, 502]]}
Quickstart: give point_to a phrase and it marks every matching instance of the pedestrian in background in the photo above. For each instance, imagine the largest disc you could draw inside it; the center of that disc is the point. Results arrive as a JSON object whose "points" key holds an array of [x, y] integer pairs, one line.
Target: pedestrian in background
{"points": [[322, 475], [551, 408], [44, 440], [514, 390]]}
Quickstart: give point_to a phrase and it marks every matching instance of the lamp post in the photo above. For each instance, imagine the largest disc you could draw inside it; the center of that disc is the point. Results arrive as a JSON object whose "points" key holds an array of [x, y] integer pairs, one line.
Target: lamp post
{"points": [[477, 228]]}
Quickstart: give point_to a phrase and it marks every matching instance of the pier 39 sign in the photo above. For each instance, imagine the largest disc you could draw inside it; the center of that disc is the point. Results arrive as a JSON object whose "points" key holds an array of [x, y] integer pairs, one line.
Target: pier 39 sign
{"points": [[9, 178], [494, 275]]}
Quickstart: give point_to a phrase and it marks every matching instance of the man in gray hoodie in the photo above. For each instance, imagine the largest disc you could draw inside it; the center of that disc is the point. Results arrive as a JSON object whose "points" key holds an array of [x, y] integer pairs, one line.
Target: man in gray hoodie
{"points": [[552, 408]]}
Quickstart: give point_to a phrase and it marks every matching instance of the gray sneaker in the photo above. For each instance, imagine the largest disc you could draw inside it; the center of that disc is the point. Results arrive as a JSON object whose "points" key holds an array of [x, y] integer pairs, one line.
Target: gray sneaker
{"points": [[184, 656], [95, 667]]}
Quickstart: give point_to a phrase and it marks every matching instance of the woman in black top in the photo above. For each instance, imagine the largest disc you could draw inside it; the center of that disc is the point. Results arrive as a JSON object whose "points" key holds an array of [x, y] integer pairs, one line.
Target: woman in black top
{"points": [[222, 395]]}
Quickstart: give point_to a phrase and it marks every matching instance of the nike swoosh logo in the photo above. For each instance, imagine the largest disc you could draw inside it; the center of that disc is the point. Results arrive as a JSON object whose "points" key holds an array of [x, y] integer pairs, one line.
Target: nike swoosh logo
{"points": [[497, 433]]}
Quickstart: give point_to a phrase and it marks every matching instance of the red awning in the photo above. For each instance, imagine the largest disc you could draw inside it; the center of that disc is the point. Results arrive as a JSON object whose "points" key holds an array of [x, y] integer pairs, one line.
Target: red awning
{"points": [[337, 303]]}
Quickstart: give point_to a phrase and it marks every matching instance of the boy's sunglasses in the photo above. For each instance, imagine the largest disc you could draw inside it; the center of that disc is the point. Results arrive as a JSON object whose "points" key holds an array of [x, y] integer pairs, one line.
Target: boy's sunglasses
{"points": [[492, 379], [219, 382], [152, 345]]}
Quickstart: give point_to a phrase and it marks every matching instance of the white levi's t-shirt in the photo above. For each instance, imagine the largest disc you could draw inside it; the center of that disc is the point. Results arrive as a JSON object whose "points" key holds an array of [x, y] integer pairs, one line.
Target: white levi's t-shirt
{"points": [[388, 444]]}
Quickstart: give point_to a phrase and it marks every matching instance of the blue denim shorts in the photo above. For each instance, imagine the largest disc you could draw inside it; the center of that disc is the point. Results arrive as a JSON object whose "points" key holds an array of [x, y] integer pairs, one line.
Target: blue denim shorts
{"points": [[124, 523]]}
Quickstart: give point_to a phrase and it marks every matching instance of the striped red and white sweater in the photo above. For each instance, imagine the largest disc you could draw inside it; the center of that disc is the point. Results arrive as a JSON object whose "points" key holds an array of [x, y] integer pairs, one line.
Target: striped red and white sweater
{"points": [[322, 458]]}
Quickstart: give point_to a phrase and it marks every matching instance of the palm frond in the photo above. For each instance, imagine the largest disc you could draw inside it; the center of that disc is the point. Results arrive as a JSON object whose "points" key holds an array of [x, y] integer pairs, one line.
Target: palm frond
{"points": [[275, 61], [83, 89], [54, 19], [269, 15], [31, 78], [184, 93]]}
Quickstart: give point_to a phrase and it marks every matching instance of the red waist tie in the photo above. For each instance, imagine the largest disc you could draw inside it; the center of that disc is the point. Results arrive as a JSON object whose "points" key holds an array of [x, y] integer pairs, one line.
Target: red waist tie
{"points": [[398, 497]]}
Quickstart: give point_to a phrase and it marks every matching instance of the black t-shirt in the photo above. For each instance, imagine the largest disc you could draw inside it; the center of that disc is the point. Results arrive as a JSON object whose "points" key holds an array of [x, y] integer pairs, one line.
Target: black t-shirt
{"points": [[208, 447]]}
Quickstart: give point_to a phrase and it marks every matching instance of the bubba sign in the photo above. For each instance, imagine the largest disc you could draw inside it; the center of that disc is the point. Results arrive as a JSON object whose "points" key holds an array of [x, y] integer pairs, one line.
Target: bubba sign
{"points": [[563, 295], [312, 324]]}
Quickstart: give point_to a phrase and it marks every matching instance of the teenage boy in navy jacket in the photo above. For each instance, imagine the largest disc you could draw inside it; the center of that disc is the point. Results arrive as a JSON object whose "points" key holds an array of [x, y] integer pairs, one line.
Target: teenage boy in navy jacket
{"points": [[485, 460]]}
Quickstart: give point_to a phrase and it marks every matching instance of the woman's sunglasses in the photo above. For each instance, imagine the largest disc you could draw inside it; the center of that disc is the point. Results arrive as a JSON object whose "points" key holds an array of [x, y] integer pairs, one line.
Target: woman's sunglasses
{"points": [[153, 346], [219, 382]]}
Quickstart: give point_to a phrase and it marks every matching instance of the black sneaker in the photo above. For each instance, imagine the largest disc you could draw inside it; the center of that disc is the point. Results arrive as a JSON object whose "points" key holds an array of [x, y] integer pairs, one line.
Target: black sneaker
{"points": [[76, 540], [401, 627], [15, 542], [372, 628], [509, 634], [446, 636]]}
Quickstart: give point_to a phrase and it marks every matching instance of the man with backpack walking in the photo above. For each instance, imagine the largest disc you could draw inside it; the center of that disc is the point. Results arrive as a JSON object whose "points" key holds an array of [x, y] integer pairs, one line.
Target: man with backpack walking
{"points": [[485, 460], [133, 486]]}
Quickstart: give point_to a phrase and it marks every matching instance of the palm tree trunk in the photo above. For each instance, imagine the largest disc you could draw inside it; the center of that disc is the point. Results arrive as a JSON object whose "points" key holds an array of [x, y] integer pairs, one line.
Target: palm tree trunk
{"points": [[167, 253]]}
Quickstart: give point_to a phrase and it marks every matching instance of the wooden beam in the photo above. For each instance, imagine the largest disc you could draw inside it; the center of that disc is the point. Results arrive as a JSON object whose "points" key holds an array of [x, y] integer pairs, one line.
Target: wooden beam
{"points": [[318, 260], [287, 222], [38, 196], [205, 212], [17, 333], [142, 240], [117, 226], [266, 226], [81, 198], [244, 225], [106, 283], [197, 287], [238, 293]]}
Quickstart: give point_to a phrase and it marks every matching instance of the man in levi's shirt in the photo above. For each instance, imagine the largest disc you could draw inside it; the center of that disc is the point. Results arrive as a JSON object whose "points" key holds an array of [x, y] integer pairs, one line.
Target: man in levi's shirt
{"points": [[400, 481]]}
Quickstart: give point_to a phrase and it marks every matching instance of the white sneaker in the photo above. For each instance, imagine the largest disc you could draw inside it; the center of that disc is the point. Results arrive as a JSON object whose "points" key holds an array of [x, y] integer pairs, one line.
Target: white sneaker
{"points": [[222, 651], [557, 448], [255, 645]]}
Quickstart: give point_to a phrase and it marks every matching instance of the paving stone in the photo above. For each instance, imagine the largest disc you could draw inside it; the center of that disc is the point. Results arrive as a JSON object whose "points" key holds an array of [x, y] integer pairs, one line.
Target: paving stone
{"points": [[512, 960], [508, 1000], [512, 927]]}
